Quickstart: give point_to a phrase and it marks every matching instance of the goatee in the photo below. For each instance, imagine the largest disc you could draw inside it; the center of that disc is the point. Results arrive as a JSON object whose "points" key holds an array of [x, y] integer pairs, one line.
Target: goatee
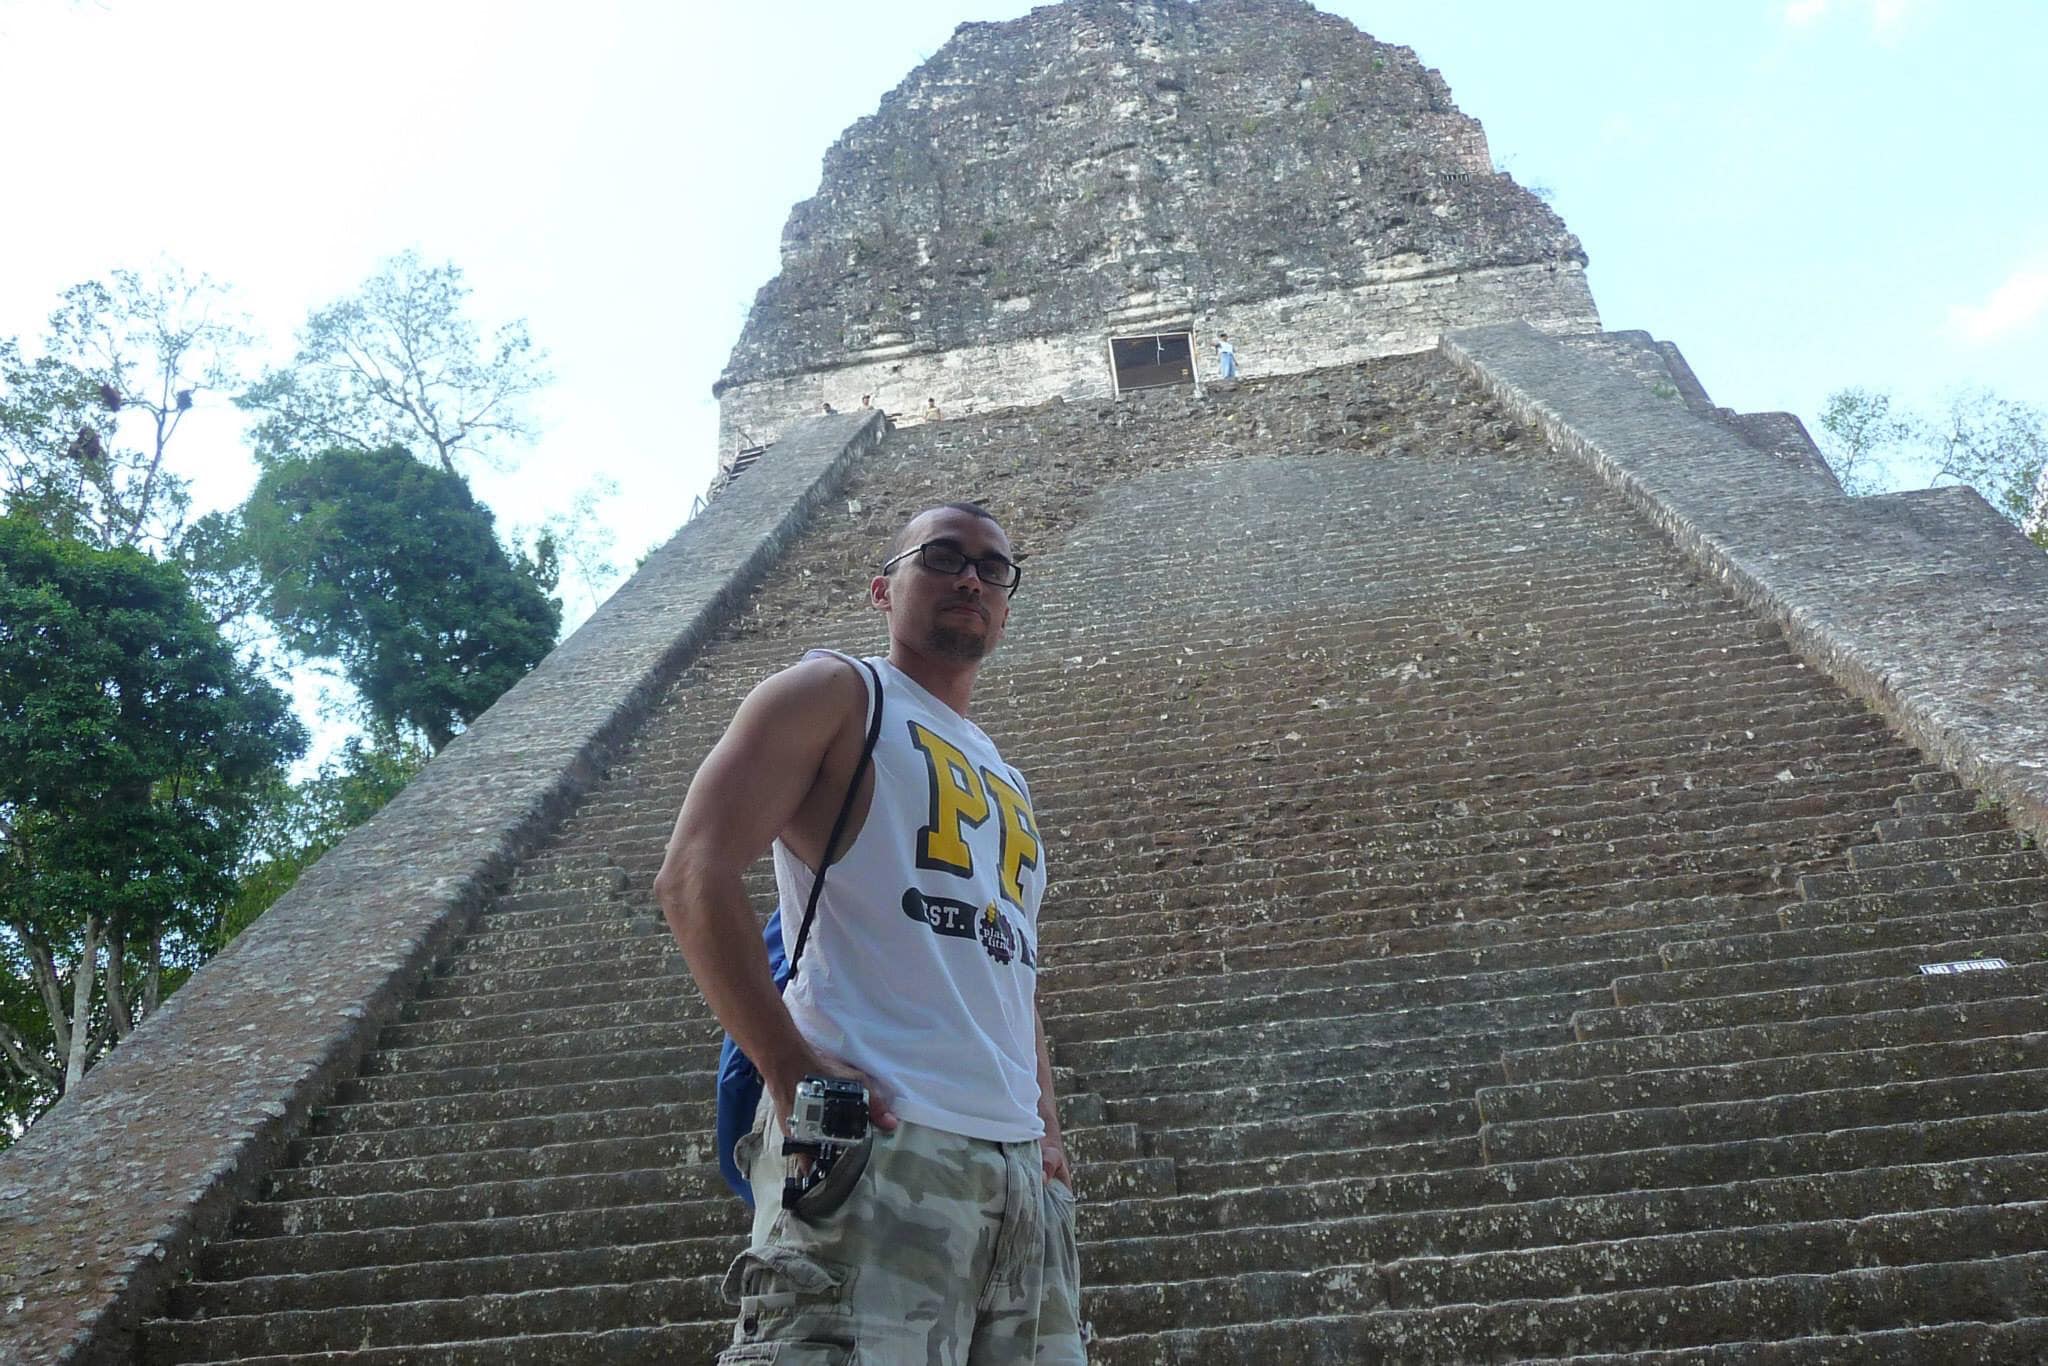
{"points": [[948, 643]]}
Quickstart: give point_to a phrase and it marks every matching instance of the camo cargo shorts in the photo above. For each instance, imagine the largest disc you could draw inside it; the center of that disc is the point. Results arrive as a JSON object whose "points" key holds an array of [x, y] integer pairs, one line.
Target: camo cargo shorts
{"points": [[919, 1247]]}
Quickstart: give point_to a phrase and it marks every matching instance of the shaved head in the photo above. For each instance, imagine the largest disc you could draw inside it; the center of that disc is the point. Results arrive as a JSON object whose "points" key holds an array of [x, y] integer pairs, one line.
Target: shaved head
{"points": [[907, 537]]}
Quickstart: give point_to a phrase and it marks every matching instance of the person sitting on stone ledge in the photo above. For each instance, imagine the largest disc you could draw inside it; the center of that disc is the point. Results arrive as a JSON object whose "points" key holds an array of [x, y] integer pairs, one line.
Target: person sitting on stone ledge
{"points": [[947, 1234]]}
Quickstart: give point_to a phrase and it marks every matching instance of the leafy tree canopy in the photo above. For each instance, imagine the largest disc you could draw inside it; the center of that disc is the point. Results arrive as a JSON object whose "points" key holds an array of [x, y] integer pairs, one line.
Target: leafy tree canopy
{"points": [[133, 745], [1997, 446], [86, 427], [399, 363], [392, 568]]}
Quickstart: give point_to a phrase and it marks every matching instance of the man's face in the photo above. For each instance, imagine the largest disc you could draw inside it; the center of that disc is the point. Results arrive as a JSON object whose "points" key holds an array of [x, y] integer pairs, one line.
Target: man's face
{"points": [[951, 616]]}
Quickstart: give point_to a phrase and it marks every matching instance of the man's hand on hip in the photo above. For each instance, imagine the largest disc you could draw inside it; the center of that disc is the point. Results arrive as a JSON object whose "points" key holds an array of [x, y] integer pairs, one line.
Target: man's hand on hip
{"points": [[1054, 1157]]}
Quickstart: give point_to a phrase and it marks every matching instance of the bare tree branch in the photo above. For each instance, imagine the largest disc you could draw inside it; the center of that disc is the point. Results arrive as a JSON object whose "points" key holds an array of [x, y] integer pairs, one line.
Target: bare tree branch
{"points": [[81, 1006], [24, 1059]]}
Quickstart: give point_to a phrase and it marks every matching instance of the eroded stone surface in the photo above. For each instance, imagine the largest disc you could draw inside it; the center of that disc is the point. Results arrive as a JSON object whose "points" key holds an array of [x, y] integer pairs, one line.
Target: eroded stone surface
{"points": [[1095, 168]]}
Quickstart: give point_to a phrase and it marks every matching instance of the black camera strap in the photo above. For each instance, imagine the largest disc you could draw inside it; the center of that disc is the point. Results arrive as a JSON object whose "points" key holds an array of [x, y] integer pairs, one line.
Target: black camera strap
{"points": [[867, 754]]}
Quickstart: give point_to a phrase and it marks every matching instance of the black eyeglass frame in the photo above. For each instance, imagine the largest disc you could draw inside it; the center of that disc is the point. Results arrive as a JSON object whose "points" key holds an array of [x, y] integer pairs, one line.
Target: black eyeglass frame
{"points": [[981, 564]]}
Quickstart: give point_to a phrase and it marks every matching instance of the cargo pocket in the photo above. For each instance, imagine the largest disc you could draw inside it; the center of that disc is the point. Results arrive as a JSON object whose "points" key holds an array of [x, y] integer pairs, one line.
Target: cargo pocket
{"points": [[791, 1308], [1064, 1237], [829, 1196], [1061, 1334]]}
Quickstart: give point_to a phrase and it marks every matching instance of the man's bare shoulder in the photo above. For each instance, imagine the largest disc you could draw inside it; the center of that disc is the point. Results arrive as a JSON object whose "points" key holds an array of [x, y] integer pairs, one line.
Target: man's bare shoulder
{"points": [[809, 690]]}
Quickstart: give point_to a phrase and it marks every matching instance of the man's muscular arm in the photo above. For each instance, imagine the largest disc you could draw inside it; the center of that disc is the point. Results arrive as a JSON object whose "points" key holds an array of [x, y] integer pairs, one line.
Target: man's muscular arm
{"points": [[748, 791]]}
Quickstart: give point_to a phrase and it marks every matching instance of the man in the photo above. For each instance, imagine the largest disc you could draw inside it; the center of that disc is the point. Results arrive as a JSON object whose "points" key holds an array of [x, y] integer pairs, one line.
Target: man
{"points": [[948, 1237]]}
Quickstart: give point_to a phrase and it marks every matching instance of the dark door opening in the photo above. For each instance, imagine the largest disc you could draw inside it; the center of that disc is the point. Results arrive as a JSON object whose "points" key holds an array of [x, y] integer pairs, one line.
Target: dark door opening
{"points": [[1152, 361]]}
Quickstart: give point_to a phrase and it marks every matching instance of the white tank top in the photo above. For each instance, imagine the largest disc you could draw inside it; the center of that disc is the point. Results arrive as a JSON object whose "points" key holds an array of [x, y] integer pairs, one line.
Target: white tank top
{"points": [[921, 968]]}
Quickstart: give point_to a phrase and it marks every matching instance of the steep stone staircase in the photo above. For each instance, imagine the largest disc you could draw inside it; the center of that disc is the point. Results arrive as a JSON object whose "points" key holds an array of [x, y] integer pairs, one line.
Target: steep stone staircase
{"points": [[1470, 939]]}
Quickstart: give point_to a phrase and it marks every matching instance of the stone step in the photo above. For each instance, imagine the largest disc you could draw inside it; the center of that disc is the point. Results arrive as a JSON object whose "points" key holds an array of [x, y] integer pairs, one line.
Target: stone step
{"points": [[1692, 1258], [1936, 849], [1917, 902], [1844, 1302], [665, 977], [1988, 1153], [698, 1340], [1852, 937], [1950, 873], [694, 1066], [411, 1293], [697, 1208], [522, 1102], [1128, 1256], [1387, 983], [1273, 1096], [681, 1152], [434, 1323], [1392, 1019], [682, 1008], [1313, 864], [1908, 828], [688, 1036], [1586, 813], [680, 1120], [575, 979], [1899, 992], [1359, 935], [1954, 802], [1330, 1130], [2014, 1342], [1844, 1107], [1873, 964], [1217, 1176], [1336, 1061], [1763, 1078], [1743, 1043]]}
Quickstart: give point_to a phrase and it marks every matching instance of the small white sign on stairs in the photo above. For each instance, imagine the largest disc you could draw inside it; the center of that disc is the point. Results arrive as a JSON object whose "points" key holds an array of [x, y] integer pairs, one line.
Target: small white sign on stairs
{"points": [[1964, 965]]}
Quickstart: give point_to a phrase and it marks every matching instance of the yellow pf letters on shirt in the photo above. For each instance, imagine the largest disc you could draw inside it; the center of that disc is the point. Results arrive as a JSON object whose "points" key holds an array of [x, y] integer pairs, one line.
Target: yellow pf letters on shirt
{"points": [[959, 802]]}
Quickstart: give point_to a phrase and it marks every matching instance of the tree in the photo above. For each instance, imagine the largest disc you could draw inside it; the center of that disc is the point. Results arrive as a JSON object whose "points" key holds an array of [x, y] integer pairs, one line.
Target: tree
{"points": [[133, 745], [86, 427], [392, 568], [398, 364], [298, 822], [583, 542], [1859, 433], [1997, 446]]}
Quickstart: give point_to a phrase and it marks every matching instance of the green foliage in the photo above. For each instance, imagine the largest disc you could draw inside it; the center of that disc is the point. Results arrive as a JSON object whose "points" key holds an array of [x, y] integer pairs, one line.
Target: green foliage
{"points": [[1859, 431], [298, 822], [133, 746], [392, 568], [87, 426], [398, 364], [1997, 446]]}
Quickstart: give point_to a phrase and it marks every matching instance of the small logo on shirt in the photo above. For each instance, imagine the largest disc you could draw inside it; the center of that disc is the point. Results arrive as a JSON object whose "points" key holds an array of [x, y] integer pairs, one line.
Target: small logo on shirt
{"points": [[987, 926]]}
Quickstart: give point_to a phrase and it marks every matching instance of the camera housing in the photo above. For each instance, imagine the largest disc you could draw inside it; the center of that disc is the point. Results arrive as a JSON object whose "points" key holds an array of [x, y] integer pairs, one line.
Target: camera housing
{"points": [[829, 1115], [829, 1110]]}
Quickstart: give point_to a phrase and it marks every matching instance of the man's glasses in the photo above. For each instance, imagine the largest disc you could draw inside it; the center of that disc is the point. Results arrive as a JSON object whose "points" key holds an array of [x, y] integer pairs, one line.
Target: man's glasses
{"points": [[943, 558]]}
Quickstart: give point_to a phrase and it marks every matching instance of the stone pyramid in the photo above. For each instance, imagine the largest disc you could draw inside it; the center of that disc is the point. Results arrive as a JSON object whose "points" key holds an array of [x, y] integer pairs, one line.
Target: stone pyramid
{"points": [[1537, 875]]}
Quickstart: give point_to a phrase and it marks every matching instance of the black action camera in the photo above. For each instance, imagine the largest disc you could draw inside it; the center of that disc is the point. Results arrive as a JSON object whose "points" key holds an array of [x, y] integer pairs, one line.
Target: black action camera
{"points": [[830, 1115]]}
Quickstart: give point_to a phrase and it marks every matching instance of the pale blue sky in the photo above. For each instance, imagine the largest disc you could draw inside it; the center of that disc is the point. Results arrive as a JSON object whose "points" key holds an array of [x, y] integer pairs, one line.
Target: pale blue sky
{"points": [[1803, 194]]}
